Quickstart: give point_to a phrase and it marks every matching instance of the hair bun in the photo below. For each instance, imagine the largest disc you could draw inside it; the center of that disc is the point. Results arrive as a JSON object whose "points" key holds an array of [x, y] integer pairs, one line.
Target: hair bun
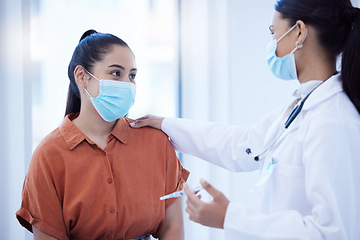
{"points": [[87, 33], [350, 14]]}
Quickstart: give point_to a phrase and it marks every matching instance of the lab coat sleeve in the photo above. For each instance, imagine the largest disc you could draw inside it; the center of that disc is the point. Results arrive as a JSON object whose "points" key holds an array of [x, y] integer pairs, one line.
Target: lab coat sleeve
{"points": [[220, 144], [331, 159], [242, 222]]}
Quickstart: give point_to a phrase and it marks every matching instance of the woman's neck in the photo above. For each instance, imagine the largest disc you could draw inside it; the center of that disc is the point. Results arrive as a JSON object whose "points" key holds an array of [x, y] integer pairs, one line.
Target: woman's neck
{"points": [[92, 125]]}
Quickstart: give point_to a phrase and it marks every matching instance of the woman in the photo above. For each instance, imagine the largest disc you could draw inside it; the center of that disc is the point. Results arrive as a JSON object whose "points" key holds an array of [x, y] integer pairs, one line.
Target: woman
{"points": [[308, 159], [94, 177]]}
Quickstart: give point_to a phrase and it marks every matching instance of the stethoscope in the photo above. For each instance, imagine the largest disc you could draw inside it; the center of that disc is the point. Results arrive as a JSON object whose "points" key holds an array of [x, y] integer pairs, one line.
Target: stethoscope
{"points": [[294, 113]]}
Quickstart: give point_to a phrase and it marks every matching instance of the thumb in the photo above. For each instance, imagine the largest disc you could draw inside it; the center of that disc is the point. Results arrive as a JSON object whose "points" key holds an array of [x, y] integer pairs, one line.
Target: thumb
{"points": [[137, 124], [141, 122], [209, 188]]}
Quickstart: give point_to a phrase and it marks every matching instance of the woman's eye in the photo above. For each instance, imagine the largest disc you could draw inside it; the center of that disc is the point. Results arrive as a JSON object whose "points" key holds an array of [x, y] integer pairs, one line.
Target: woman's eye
{"points": [[132, 76], [117, 74]]}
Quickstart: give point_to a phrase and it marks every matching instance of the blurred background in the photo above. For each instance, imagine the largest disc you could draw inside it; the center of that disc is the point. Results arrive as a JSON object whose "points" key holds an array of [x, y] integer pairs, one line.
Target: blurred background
{"points": [[203, 60]]}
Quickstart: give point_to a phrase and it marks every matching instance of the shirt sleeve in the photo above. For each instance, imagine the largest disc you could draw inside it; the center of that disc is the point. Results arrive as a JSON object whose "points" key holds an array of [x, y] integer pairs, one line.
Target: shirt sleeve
{"points": [[221, 144], [176, 175], [331, 153], [41, 206]]}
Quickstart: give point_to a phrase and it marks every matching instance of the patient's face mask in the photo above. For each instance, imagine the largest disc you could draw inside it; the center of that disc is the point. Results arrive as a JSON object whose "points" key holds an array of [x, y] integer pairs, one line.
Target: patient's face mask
{"points": [[282, 67], [114, 100]]}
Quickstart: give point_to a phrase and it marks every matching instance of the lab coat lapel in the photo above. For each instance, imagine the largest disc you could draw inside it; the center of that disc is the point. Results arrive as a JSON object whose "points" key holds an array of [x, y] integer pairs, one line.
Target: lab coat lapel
{"points": [[330, 87], [293, 127], [326, 90]]}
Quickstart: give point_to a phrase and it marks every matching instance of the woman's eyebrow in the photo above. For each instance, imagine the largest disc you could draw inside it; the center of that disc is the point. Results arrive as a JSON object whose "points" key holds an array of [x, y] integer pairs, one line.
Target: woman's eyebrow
{"points": [[117, 65], [121, 67]]}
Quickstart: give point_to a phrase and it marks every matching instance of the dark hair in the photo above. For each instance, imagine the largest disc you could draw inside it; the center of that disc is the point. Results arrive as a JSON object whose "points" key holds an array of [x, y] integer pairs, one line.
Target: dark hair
{"points": [[91, 49], [337, 24]]}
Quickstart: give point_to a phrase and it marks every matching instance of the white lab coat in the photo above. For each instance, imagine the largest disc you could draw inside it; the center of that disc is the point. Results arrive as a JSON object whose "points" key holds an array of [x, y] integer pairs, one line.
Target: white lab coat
{"points": [[314, 191]]}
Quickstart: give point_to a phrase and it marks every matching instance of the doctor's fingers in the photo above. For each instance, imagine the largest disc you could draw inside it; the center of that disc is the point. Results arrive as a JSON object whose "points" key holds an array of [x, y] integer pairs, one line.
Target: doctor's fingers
{"points": [[191, 209], [195, 212], [148, 116], [192, 199], [148, 121], [208, 214], [210, 189]]}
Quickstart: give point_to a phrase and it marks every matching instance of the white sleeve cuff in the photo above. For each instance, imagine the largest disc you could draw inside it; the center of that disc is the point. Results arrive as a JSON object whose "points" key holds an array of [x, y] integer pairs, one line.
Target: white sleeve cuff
{"points": [[232, 216], [164, 124]]}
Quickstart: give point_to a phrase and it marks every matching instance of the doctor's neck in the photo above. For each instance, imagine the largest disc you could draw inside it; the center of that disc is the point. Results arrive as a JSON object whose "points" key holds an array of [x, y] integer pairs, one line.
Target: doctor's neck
{"points": [[317, 71], [312, 61]]}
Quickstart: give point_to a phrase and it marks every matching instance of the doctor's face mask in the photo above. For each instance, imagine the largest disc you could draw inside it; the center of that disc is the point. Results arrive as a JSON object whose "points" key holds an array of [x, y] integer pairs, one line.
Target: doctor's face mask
{"points": [[114, 100], [282, 67]]}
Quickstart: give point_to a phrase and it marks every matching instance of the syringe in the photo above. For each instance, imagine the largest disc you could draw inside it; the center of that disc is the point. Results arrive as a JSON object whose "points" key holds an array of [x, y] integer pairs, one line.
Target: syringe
{"points": [[180, 193]]}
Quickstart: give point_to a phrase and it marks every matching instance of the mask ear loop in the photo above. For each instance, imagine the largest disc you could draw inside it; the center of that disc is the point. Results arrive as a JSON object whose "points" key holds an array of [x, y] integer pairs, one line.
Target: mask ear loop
{"points": [[300, 45], [83, 88], [286, 33], [91, 74]]}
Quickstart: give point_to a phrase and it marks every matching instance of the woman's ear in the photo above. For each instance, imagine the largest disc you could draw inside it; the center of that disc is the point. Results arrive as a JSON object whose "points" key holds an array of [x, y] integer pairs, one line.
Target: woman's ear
{"points": [[302, 34], [81, 77]]}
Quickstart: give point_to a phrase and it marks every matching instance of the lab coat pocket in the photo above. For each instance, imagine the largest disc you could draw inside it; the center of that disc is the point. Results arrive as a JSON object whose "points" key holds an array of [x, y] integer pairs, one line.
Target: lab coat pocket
{"points": [[289, 185]]}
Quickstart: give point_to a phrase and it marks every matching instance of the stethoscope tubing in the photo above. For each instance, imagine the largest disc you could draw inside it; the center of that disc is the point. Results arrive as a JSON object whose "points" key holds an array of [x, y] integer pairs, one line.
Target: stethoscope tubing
{"points": [[294, 113]]}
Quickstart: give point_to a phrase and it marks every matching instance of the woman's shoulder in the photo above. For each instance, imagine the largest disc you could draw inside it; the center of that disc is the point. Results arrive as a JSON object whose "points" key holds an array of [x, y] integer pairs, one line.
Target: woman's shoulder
{"points": [[146, 131], [50, 143], [47, 156]]}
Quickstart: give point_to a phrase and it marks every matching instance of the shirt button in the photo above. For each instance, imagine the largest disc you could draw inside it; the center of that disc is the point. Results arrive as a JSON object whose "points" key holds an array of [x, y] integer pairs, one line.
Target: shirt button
{"points": [[112, 210], [103, 153], [109, 180]]}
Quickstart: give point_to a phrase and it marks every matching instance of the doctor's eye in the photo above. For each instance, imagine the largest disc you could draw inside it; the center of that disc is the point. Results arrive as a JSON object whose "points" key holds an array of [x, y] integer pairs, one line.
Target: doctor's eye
{"points": [[271, 29], [117, 73]]}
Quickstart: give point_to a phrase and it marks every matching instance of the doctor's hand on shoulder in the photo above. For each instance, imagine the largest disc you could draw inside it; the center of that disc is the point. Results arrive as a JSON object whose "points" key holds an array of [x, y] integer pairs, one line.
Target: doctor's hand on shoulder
{"points": [[148, 121], [211, 214]]}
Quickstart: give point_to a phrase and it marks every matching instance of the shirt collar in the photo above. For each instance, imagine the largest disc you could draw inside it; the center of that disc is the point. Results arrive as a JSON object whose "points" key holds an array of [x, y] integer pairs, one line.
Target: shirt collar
{"points": [[73, 136], [330, 87], [121, 129], [305, 88]]}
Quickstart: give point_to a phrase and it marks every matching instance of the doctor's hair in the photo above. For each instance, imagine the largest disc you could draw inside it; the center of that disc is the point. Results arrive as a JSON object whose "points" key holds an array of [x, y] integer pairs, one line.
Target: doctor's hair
{"points": [[337, 24], [92, 48]]}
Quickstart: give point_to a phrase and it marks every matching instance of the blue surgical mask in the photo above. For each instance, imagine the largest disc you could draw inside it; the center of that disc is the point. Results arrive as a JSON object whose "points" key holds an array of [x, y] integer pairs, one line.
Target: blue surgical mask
{"points": [[114, 100], [282, 67]]}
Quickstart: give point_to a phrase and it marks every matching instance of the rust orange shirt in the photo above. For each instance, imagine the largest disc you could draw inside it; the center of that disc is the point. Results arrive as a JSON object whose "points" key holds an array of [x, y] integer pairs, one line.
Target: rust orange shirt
{"points": [[75, 190]]}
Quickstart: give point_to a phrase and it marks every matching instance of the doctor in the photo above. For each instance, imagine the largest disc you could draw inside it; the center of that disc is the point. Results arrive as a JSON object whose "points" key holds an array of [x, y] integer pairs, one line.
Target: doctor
{"points": [[309, 152]]}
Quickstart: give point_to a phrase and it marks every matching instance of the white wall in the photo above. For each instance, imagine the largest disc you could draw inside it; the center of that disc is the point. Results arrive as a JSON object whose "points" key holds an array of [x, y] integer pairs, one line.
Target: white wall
{"points": [[15, 110]]}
